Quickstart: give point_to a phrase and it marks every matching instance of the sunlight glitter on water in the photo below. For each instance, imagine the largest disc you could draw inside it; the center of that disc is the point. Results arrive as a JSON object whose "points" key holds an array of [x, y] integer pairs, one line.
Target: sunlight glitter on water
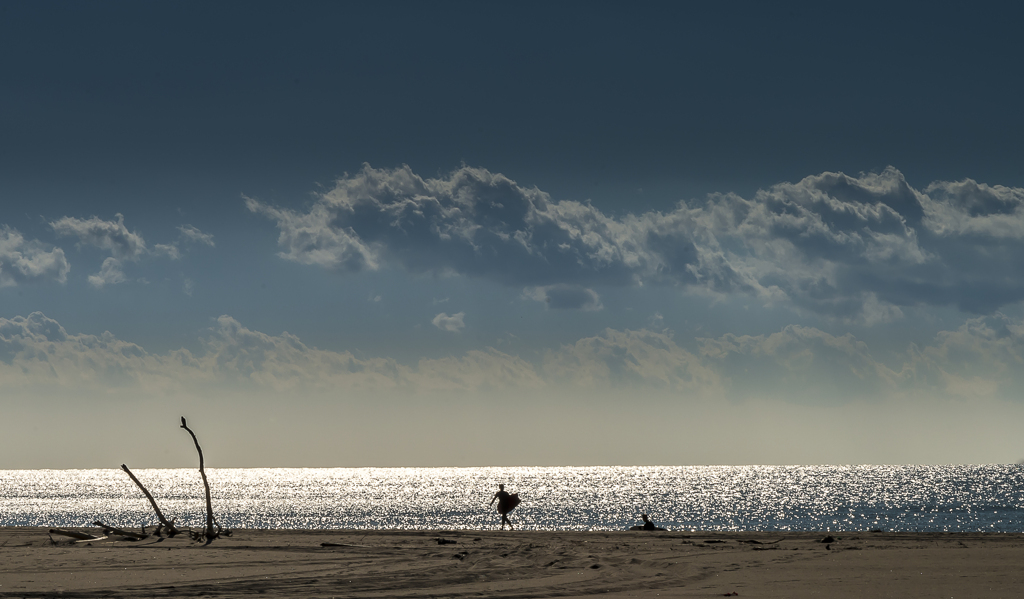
{"points": [[910, 498]]}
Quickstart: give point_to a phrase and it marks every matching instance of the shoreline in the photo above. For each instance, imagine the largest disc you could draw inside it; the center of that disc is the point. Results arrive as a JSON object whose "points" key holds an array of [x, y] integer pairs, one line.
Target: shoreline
{"points": [[491, 563]]}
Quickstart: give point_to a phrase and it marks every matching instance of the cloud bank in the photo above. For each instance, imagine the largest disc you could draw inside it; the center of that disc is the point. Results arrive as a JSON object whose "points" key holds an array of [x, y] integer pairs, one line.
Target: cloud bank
{"points": [[847, 247], [983, 358]]}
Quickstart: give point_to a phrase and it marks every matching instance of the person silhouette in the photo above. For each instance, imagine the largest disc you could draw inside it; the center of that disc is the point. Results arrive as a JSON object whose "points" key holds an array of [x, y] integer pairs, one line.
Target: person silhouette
{"points": [[647, 525], [506, 502]]}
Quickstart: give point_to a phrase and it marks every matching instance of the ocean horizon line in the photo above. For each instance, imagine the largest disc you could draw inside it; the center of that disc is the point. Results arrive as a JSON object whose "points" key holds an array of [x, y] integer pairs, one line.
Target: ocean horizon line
{"points": [[760, 465]]}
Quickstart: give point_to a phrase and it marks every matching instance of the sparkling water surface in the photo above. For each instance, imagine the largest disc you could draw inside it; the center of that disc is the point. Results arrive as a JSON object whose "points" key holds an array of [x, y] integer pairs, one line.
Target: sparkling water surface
{"points": [[827, 498]]}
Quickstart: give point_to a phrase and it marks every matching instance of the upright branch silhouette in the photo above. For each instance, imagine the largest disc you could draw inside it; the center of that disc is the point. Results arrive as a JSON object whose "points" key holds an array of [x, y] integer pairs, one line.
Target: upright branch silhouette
{"points": [[210, 533]]}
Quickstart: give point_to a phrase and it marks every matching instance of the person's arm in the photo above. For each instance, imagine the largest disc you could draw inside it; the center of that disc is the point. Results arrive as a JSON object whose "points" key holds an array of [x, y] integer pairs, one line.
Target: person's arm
{"points": [[492, 499]]}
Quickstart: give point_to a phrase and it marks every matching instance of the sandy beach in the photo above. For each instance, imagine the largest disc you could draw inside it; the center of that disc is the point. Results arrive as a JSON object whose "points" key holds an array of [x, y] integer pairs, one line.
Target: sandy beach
{"points": [[386, 563]]}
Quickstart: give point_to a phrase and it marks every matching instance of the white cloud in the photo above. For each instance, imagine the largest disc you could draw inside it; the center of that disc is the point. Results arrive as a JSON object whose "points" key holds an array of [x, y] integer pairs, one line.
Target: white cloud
{"points": [[110, 274], [855, 248], [188, 234], [23, 261], [169, 250], [312, 238], [453, 323], [565, 297], [194, 235], [113, 236], [971, 208], [106, 235], [123, 245]]}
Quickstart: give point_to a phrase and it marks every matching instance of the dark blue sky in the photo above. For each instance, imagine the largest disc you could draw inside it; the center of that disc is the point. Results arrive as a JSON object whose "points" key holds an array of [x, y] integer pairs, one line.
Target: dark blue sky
{"points": [[535, 240], [584, 100]]}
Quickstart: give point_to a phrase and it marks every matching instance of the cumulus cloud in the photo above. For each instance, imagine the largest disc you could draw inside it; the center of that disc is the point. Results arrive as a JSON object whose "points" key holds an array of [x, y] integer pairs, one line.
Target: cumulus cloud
{"points": [[23, 261], [112, 236], [123, 245], [314, 238], [474, 222], [563, 297], [110, 274], [453, 323], [851, 247], [104, 234]]}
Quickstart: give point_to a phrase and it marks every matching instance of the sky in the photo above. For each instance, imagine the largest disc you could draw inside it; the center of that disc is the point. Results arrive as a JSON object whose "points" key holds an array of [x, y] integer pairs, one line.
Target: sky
{"points": [[488, 234]]}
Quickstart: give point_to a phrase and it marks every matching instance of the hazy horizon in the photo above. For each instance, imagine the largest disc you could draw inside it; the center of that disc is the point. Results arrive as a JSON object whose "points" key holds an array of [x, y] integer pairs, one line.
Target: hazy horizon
{"points": [[337, 235]]}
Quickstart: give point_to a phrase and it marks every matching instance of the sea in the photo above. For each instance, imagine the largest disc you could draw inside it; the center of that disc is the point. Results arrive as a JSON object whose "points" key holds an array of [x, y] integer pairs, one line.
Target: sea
{"points": [[960, 498]]}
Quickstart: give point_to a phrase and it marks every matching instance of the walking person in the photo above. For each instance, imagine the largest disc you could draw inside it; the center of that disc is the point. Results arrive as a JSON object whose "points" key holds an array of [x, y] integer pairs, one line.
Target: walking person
{"points": [[506, 503]]}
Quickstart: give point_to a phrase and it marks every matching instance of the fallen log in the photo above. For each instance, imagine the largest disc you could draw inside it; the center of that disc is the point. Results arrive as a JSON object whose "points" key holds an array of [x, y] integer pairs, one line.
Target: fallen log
{"points": [[74, 534], [165, 524], [113, 530]]}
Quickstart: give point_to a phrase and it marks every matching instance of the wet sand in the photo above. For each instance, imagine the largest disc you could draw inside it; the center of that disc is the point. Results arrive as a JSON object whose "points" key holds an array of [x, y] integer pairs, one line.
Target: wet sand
{"points": [[413, 564]]}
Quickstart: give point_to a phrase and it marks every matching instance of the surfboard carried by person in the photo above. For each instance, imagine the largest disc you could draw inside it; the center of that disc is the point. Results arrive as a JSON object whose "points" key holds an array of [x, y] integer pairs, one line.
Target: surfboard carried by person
{"points": [[506, 503]]}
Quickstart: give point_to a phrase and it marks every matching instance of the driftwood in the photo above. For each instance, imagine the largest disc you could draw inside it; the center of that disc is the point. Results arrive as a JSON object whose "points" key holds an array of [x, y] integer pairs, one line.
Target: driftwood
{"points": [[209, 533], [165, 524], [74, 534], [756, 542], [113, 530]]}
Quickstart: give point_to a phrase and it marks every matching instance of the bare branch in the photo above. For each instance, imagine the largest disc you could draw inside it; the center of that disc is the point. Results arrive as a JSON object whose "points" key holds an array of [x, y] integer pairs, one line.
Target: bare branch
{"points": [[210, 532], [166, 524], [113, 530]]}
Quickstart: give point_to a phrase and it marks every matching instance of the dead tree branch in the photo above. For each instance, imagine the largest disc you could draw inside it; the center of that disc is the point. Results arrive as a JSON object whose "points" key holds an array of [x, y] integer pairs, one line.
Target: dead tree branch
{"points": [[113, 530], [210, 523], [166, 524]]}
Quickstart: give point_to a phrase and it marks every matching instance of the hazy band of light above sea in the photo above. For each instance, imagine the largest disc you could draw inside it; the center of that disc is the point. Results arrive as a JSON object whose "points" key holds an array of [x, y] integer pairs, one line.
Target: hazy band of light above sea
{"points": [[988, 498]]}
